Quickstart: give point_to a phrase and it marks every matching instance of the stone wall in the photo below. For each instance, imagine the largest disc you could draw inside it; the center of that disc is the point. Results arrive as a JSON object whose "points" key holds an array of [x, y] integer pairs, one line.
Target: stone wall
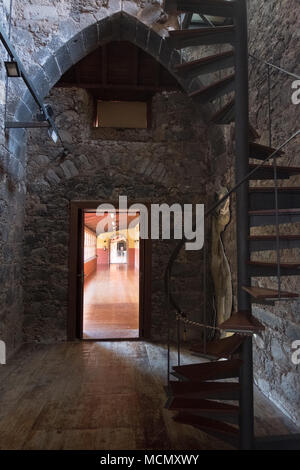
{"points": [[171, 162], [273, 36], [12, 191], [50, 36]]}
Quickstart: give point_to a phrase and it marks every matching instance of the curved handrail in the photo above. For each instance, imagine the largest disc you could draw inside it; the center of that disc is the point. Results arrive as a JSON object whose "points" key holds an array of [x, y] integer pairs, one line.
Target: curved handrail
{"points": [[280, 69], [178, 247], [259, 59]]}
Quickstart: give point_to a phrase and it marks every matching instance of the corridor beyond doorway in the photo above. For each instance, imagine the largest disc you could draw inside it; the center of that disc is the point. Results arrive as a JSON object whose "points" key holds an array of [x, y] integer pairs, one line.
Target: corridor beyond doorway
{"points": [[111, 277]]}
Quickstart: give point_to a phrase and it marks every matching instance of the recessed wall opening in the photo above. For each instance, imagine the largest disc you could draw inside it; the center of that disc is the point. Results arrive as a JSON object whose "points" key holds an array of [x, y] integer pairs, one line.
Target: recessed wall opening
{"points": [[122, 79], [111, 285], [122, 114]]}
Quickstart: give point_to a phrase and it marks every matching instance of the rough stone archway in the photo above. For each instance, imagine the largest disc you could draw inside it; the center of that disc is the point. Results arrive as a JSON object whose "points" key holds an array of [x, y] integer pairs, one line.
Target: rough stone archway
{"points": [[119, 26]]}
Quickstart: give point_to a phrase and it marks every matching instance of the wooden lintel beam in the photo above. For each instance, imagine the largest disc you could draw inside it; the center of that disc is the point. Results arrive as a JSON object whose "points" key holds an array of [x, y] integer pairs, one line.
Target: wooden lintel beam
{"points": [[157, 74], [104, 64], [136, 66], [100, 86], [25, 125]]}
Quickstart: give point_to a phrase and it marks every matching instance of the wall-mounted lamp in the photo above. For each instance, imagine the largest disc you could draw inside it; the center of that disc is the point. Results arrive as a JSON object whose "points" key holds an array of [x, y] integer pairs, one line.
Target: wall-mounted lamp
{"points": [[12, 69]]}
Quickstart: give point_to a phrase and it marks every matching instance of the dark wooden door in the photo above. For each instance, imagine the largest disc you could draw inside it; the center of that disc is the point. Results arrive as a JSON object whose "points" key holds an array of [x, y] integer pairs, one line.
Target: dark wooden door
{"points": [[80, 274], [76, 275]]}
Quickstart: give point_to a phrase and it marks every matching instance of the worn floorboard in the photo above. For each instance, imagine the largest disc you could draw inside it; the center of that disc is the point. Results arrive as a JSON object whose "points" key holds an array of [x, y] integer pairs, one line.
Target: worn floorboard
{"points": [[111, 303], [105, 396]]}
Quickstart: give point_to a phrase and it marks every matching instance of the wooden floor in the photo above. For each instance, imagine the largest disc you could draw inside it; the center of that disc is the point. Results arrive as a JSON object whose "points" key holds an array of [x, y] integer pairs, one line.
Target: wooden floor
{"points": [[104, 396], [111, 303]]}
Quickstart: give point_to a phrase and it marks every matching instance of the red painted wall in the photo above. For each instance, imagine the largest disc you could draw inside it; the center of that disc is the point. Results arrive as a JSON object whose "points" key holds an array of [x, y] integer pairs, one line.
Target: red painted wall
{"points": [[102, 256], [137, 258], [90, 266], [131, 257]]}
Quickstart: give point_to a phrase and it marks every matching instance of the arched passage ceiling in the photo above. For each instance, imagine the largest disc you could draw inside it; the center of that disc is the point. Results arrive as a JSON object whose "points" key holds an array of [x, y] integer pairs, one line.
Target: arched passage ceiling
{"points": [[119, 70], [91, 220]]}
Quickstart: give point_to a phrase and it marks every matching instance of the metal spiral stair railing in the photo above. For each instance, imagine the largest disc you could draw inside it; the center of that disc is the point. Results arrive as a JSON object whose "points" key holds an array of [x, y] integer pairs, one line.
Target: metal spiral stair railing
{"points": [[193, 397]]}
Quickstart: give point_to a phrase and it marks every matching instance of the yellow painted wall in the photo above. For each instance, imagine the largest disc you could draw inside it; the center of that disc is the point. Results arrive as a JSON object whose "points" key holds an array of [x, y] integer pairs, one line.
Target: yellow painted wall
{"points": [[131, 235]]}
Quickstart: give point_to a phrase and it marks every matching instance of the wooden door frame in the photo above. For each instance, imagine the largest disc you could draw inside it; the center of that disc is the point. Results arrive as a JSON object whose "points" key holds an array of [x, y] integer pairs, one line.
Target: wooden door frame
{"points": [[145, 273]]}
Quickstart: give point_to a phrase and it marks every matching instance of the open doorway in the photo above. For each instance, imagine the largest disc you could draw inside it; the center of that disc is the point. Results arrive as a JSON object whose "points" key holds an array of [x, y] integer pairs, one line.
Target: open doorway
{"points": [[111, 295], [110, 275]]}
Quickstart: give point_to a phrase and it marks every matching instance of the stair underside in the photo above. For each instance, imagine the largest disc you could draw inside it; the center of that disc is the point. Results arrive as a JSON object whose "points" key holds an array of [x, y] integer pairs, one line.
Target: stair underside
{"points": [[209, 371], [269, 217], [269, 242], [205, 65], [225, 115], [181, 403], [254, 135], [267, 172], [205, 408], [242, 322], [262, 269], [213, 427], [205, 7], [264, 293], [217, 349], [202, 36], [261, 152], [215, 90], [211, 390], [263, 198]]}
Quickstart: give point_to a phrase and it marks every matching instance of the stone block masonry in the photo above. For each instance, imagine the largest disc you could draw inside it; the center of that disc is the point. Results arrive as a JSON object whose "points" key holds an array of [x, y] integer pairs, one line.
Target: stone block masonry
{"points": [[167, 163]]}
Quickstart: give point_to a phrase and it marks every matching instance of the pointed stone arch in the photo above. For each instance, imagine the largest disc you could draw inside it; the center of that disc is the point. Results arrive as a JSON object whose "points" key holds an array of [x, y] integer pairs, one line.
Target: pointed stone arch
{"points": [[119, 26]]}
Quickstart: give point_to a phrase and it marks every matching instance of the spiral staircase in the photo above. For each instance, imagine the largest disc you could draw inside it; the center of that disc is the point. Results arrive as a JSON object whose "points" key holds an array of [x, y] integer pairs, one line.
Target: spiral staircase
{"points": [[217, 396]]}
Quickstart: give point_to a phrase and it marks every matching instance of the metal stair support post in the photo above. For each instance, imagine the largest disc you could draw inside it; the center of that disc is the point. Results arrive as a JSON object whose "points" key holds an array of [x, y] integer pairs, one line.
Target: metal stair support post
{"points": [[242, 220]]}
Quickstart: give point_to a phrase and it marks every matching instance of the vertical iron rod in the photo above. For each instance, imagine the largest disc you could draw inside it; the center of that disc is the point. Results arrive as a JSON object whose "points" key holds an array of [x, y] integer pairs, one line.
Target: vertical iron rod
{"points": [[269, 106], [6, 78], [277, 227], [275, 183], [178, 342], [204, 291], [242, 222], [169, 326]]}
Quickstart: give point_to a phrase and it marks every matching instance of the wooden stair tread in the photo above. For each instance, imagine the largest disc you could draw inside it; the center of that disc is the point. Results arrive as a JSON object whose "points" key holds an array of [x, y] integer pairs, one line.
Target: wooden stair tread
{"points": [[193, 68], [291, 170], [209, 370], [264, 293], [268, 189], [226, 111], [181, 38], [274, 264], [219, 348], [185, 388], [204, 60], [226, 114], [221, 8], [199, 31], [254, 135], [258, 150], [273, 211], [180, 403], [273, 237], [214, 86], [243, 322], [206, 424]]}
